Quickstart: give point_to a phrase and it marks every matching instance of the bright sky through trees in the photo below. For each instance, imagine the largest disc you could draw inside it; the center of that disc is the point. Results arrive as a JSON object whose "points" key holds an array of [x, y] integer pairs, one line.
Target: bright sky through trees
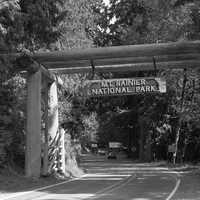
{"points": [[106, 1]]}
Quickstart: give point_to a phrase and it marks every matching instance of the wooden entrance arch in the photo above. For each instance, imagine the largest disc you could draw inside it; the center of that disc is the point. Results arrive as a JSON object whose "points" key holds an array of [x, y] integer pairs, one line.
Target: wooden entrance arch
{"points": [[107, 59]]}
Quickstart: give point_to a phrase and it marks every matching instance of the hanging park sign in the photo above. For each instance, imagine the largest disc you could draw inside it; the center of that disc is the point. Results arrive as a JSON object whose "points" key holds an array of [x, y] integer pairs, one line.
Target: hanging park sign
{"points": [[125, 86]]}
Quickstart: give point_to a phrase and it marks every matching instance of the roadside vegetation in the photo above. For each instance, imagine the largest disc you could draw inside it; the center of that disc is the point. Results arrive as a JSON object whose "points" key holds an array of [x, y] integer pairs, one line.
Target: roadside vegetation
{"points": [[149, 123]]}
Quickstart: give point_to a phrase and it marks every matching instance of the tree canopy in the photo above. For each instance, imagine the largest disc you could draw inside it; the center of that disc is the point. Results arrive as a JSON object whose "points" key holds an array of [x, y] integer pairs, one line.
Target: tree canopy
{"points": [[148, 21], [126, 22], [35, 26], [46, 25]]}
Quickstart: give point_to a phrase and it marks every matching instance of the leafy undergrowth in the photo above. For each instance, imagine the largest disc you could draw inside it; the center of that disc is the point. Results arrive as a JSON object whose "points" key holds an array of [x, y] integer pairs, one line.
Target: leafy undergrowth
{"points": [[15, 181], [180, 166], [72, 169]]}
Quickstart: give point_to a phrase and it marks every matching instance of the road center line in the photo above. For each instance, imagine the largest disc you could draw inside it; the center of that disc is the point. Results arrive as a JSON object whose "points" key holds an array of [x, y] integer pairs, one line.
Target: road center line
{"points": [[178, 181], [113, 187]]}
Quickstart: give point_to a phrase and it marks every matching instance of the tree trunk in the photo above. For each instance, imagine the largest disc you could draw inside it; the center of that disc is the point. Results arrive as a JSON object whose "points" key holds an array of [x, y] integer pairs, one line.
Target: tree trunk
{"points": [[175, 156], [141, 142]]}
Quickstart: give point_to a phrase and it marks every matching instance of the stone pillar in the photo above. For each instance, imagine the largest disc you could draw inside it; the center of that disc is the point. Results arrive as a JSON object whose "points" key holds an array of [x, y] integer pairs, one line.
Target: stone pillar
{"points": [[33, 134]]}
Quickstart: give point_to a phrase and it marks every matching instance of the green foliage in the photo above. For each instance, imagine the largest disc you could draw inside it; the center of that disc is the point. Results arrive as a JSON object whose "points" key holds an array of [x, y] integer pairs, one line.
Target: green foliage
{"points": [[12, 119], [126, 22], [59, 25], [78, 27], [91, 125], [30, 25], [24, 26], [148, 21], [79, 24], [75, 114]]}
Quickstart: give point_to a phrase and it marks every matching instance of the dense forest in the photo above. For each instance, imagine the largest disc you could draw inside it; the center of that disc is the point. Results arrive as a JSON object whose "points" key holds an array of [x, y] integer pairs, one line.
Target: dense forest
{"points": [[148, 122]]}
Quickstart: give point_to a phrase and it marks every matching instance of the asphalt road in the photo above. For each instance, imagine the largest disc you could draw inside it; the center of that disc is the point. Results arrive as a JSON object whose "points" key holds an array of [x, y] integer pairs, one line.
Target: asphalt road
{"points": [[122, 179]]}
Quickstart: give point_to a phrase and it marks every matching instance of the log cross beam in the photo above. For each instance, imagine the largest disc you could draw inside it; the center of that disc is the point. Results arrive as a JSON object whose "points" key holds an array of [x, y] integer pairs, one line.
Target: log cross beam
{"points": [[184, 54]]}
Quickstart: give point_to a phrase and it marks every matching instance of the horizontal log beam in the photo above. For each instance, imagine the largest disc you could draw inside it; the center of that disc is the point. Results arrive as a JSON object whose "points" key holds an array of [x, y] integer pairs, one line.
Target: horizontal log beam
{"points": [[120, 51], [180, 53], [119, 61], [131, 67]]}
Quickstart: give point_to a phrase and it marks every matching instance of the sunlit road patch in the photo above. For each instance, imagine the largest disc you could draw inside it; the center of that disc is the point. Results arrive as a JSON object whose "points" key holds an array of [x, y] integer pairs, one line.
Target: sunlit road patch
{"points": [[78, 196], [105, 177]]}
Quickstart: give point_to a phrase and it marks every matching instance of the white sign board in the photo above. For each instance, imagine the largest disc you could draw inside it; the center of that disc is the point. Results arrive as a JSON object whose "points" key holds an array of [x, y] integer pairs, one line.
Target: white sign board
{"points": [[94, 145], [125, 86], [114, 144]]}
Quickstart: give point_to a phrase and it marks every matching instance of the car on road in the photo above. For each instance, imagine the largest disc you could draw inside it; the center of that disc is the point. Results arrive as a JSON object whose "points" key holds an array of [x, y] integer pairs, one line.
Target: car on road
{"points": [[112, 155], [102, 152]]}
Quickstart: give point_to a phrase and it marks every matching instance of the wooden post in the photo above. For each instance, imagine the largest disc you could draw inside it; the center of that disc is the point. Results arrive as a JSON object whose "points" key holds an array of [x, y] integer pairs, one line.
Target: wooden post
{"points": [[45, 148], [53, 125], [62, 146], [33, 135]]}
